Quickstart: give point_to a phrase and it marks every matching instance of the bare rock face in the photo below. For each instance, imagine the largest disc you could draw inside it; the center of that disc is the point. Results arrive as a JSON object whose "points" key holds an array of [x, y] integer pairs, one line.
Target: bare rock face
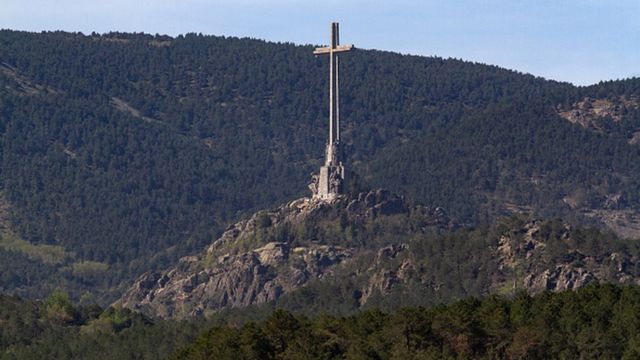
{"points": [[384, 278], [527, 256], [239, 280], [588, 111], [240, 269], [563, 277]]}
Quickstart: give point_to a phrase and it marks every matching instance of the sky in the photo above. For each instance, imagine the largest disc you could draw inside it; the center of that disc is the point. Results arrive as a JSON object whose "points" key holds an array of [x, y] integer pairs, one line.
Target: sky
{"points": [[578, 41]]}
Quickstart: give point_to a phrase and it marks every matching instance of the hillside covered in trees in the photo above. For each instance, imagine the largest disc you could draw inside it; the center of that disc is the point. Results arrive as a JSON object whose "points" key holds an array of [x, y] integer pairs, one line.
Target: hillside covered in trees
{"points": [[123, 152]]}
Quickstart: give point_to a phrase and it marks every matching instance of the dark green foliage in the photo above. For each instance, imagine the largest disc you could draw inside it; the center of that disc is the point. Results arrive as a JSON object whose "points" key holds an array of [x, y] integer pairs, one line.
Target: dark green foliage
{"points": [[55, 329], [514, 151], [599, 321], [134, 150], [18, 270]]}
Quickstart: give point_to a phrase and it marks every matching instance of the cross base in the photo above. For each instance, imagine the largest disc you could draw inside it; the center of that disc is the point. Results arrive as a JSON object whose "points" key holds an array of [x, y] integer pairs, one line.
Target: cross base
{"points": [[329, 184]]}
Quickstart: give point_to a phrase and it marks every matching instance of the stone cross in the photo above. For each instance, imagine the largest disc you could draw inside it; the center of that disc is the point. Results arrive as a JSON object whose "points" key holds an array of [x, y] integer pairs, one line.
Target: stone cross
{"points": [[330, 182], [334, 93]]}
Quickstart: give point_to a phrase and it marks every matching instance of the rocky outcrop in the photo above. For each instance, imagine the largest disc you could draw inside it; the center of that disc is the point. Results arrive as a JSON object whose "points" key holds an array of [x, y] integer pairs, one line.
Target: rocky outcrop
{"points": [[562, 277], [366, 205], [384, 278], [525, 258], [251, 264], [588, 111], [257, 276]]}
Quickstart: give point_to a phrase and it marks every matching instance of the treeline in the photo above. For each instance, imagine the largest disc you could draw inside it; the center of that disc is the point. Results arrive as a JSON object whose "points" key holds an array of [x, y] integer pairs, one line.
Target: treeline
{"points": [[598, 322]]}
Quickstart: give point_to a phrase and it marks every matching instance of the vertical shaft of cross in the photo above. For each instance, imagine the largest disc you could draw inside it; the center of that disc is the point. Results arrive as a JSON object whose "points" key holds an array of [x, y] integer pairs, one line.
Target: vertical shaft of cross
{"points": [[333, 83], [337, 114], [333, 50]]}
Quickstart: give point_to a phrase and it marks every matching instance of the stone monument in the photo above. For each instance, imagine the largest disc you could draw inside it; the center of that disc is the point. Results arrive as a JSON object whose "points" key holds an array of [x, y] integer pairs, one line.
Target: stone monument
{"points": [[331, 181]]}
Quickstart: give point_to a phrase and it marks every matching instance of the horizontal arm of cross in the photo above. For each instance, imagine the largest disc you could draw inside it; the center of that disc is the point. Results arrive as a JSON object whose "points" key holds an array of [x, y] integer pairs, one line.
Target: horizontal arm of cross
{"points": [[337, 49]]}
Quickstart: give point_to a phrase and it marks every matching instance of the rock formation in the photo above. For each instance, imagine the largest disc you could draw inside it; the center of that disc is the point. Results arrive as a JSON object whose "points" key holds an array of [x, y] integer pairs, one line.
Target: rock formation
{"points": [[363, 246], [535, 268], [251, 264]]}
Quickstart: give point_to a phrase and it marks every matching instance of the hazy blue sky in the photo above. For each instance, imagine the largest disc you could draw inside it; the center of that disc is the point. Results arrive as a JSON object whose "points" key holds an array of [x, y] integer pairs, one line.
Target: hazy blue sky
{"points": [[580, 41]]}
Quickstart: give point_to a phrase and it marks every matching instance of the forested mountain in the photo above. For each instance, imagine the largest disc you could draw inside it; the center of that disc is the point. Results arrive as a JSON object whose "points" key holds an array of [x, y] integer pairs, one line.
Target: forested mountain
{"points": [[123, 152]]}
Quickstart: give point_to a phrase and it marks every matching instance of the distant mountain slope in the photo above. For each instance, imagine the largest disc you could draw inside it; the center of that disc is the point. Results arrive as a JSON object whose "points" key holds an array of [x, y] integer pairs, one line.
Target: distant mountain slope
{"points": [[133, 150]]}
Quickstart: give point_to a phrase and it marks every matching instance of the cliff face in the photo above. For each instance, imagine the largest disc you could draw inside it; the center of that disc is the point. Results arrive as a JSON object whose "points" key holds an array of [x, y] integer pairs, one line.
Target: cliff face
{"points": [[376, 249]]}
